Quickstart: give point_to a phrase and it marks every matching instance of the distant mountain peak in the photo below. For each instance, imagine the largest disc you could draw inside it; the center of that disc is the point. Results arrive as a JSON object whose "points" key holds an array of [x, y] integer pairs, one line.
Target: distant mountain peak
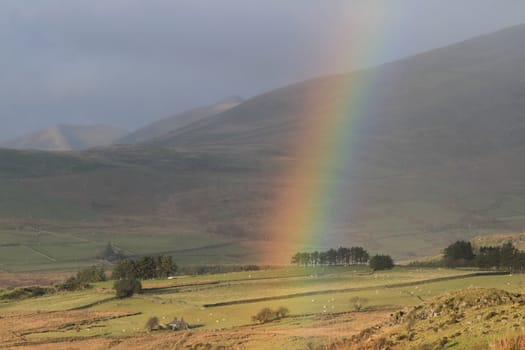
{"points": [[67, 137], [164, 127]]}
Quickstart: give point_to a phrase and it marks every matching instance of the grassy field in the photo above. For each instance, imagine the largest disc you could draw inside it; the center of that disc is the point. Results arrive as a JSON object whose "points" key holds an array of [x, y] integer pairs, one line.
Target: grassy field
{"points": [[320, 300], [27, 249], [157, 197], [69, 246]]}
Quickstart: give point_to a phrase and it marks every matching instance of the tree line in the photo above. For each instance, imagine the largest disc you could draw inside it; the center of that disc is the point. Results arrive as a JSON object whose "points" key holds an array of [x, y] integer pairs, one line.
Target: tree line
{"points": [[128, 273], [381, 262], [340, 256], [146, 267], [83, 279], [506, 257]]}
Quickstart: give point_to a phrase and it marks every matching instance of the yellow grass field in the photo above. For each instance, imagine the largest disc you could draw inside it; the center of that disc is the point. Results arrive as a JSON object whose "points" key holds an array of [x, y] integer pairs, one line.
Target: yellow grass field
{"points": [[322, 304]]}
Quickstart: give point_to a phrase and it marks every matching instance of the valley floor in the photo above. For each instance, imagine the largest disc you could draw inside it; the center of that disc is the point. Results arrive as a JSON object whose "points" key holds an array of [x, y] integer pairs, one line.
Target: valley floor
{"points": [[328, 305]]}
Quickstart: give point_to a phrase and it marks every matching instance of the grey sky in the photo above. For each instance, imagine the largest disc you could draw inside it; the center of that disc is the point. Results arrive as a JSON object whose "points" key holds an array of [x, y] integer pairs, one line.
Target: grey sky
{"points": [[129, 62]]}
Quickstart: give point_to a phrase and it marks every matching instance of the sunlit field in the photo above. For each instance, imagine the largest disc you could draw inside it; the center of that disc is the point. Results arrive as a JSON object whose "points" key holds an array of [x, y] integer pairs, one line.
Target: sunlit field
{"points": [[321, 302]]}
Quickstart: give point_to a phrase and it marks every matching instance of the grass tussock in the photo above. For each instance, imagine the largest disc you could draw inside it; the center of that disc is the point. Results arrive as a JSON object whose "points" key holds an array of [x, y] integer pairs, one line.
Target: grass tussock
{"points": [[268, 315], [516, 342]]}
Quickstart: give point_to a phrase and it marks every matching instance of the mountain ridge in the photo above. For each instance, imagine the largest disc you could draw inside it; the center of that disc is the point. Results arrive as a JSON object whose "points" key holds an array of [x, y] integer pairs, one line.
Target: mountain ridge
{"points": [[163, 127], [65, 137]]}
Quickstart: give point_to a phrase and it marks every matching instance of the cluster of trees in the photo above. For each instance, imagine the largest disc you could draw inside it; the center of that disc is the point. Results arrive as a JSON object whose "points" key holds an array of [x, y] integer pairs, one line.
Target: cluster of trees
{"points": [[146, 267], [462, 254], [129, 272], [459, 254], [341, 256], [125, 288], [83, 279], [381, 262]]}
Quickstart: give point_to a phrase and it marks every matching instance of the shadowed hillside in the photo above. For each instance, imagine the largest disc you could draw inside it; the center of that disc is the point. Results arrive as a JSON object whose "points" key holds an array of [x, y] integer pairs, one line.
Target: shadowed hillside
{"points": [[459, 101]]}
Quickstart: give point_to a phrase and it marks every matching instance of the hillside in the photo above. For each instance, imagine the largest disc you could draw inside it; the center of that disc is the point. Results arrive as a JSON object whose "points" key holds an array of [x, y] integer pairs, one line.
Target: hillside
{"points": [[438, 147], [436, 154], [67, 138], [168, 125], [463, 319], [456, 102]]}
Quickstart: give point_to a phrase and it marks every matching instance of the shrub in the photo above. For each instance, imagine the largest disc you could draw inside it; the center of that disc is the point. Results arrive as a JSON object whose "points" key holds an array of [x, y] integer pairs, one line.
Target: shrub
{"points": [[510, 343], [72, 284], [490, 315], [83, 279], [267, 314], [282, 312], [27, 292], [381, 262], [92, 274], [152, 323], [411, 322], [127, 287], [358, 302], [443, 341], [458, 254]]}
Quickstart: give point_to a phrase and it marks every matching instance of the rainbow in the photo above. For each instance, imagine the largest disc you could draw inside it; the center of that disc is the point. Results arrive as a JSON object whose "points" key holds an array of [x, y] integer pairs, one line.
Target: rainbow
{"points": [[332, 116]]}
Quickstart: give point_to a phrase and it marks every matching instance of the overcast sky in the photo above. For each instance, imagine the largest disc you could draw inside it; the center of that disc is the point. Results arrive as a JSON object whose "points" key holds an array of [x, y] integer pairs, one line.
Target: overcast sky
{"points": [[129, 62]]}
